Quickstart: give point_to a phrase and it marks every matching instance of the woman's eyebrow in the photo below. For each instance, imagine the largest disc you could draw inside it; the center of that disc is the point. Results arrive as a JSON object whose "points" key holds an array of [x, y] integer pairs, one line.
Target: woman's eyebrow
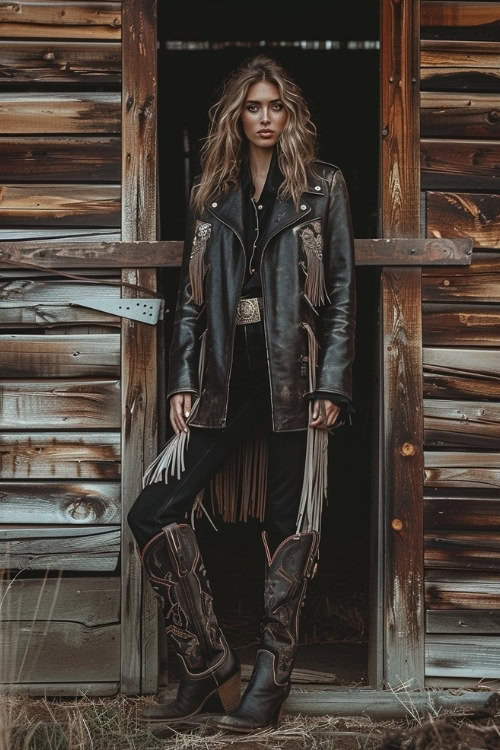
{"points": [[257, 101]]}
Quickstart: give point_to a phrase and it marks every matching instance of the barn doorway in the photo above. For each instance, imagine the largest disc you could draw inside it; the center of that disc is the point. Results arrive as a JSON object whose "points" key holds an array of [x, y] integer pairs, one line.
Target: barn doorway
{"points": [[336, 63]]}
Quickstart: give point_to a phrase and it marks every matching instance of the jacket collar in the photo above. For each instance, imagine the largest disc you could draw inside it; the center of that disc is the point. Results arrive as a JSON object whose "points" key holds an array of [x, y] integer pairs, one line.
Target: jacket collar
{"points": [[229, 208]]}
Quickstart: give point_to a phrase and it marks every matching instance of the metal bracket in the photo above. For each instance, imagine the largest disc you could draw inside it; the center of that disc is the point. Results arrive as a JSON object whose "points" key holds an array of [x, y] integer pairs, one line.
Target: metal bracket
{"points": [[141, 309]]}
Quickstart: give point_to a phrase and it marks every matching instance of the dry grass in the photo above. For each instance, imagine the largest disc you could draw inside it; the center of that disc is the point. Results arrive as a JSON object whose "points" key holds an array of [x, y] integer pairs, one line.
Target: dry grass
{"points": [[113, 724]]}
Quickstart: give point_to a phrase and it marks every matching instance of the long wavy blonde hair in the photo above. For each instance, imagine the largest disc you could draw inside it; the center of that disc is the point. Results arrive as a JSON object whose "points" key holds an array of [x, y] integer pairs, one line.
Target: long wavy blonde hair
{"points": [[223, 149]]}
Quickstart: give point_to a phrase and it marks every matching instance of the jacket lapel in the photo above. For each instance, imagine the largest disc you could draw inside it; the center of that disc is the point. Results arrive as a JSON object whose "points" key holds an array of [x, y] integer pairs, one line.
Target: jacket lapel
{"points": [[283, 215], [229, 210]]}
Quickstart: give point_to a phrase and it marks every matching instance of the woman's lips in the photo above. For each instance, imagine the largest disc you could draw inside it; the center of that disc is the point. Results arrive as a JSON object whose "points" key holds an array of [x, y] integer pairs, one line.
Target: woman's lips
{"points": [[265, 133]]}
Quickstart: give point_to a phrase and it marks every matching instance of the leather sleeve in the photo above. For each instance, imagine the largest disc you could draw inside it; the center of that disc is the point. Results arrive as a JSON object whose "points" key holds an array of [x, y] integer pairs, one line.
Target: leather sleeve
{"points": [[185, 346], [338, 315]]}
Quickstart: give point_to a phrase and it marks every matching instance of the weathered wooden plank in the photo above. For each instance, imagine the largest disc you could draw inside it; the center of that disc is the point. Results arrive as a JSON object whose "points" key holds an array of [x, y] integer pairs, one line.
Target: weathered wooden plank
{"points": [[58, 404], [55, 291], [60, 356], [462, 589], [461, 459], [60, 689], [457, 115], [64, 205], [462, 360], [458, 54], [139, 666], [455, 164], [89, 601], [59, 651], [51, 236], [59, 62], [401, 353], [460, 79], [439, 383], [52, 502], [60, 455], [463, 621], [90, 548], [387, 704], [474, 215], [479, 282], [63, 158], [144, 254], [76, 20], [462, 512], [474, 550], [467, 424], [462, 476], [463, 325], [459, 13], [462, 656], [41, 113], [50, 316]]}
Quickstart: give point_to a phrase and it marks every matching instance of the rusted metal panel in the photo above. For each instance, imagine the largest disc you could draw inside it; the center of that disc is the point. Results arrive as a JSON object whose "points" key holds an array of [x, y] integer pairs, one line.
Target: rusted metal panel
{"points": [[59, 455], [454, 164], [63, 62], [60, 356], [60, 113], [56, 502], [85, 548], [456, 115], [60, 158], [474, 215], [139, 666], [77, 20]]}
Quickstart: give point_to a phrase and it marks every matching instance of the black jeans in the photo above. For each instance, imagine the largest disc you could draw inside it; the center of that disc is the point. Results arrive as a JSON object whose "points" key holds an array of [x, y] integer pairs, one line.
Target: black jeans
{"points": [[249, 405]]}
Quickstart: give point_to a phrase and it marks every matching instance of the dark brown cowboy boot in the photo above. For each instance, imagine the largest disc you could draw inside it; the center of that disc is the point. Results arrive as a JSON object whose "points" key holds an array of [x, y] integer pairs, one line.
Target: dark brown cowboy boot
{"points": [[290, 568], [210, 677]]}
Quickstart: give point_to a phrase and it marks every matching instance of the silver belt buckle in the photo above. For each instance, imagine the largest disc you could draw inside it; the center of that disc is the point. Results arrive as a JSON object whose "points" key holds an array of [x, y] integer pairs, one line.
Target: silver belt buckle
{"points": [[248, 311]]}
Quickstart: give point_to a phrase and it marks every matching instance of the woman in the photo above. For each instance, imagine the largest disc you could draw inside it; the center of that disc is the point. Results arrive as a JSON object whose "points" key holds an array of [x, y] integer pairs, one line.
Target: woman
{"points": [[262, 344]]}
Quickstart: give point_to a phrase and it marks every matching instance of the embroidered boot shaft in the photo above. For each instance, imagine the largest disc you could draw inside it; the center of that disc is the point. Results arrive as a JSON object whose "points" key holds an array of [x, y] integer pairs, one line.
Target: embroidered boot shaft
{"points": [[290, 568], [210, 671]]}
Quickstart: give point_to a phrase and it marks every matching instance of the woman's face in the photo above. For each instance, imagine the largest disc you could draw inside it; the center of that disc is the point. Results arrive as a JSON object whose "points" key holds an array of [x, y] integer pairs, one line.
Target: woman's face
{"points": [[263, 115]]}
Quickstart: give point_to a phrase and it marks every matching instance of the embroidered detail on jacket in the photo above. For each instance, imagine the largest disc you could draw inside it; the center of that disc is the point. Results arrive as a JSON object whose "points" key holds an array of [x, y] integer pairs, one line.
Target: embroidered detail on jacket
{"points": [[312, 245], [202, 234]]}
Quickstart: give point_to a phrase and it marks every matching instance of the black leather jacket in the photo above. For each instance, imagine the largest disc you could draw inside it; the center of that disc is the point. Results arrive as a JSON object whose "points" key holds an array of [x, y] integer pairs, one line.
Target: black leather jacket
{"points": [[308, 288]]}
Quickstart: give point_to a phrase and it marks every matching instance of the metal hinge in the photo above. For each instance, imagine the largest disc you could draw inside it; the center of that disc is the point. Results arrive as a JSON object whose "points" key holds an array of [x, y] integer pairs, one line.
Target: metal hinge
{"points": [[143, 310]]}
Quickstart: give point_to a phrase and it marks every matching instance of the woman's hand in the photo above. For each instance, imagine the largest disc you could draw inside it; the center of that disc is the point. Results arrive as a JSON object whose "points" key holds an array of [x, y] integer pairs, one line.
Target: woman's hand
{"points": [[180, 409], [324, 414]]}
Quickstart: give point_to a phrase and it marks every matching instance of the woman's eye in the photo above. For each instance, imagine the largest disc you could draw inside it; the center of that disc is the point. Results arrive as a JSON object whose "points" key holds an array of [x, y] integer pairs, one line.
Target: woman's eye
{"points": [[252, 108], [278, 106]]}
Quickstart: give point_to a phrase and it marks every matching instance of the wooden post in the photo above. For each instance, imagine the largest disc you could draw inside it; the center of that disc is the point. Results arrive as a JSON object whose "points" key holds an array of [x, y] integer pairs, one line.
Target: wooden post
{"points": [[401, 628], [139, 660]]}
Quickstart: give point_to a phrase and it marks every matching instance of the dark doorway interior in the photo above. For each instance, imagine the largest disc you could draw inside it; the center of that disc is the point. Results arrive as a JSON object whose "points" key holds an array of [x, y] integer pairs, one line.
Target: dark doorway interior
{"points": [[338, 72]]}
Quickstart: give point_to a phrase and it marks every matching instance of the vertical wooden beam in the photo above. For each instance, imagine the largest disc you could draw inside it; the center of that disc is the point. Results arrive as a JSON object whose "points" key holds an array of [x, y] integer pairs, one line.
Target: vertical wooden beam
{"points": [[401, 352], [139, 660]]}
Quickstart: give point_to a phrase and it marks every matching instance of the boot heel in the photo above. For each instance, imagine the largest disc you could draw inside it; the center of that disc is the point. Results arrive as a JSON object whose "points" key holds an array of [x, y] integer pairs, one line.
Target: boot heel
{"points": [[230, 693]]}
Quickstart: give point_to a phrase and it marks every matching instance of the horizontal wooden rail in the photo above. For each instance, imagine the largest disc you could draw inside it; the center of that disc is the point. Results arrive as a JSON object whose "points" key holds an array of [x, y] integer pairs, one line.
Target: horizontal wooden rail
{"points": [[369, 252]]}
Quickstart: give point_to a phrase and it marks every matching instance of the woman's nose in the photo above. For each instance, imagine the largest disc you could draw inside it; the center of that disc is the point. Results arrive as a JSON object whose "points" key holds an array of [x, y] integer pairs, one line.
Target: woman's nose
{"points": [[265, 117]]}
